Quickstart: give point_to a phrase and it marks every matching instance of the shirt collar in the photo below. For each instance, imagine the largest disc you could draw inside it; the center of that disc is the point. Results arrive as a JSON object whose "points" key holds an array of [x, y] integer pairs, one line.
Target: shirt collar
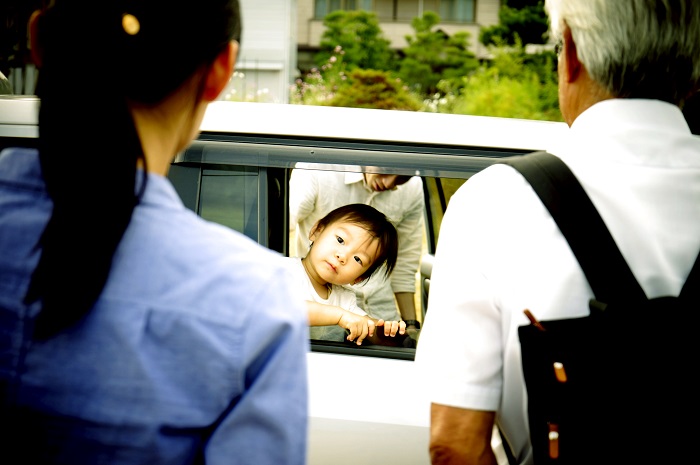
{"points": [[352, 178], [616, 115], [159, 191]]}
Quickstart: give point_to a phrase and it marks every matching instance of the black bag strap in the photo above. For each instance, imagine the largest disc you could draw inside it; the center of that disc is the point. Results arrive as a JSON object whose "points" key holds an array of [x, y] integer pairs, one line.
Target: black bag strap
{"points": [[605, 268], [691, 288]]}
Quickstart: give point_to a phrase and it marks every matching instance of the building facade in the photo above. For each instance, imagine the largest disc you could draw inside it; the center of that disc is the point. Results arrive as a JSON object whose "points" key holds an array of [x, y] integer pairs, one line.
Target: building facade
{"points": [[280, 38], [267, 61], [395, 18]]}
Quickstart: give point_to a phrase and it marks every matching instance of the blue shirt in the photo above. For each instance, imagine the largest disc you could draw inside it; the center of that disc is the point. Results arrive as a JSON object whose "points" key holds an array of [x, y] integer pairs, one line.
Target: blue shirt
{"points": [[195, 352]]}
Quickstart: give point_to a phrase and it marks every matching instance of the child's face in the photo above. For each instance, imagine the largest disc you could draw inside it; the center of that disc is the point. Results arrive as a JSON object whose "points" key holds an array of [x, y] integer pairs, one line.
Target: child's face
{"points": [[341, 253]]}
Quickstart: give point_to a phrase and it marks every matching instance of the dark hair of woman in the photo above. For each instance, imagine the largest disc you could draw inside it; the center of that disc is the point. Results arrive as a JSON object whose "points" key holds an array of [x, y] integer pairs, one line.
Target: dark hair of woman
{"points": [[103, 57]]}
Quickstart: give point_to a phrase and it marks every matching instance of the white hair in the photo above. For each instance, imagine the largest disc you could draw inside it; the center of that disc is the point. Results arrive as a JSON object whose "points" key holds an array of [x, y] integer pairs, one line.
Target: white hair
{"points": [[634, 48]]}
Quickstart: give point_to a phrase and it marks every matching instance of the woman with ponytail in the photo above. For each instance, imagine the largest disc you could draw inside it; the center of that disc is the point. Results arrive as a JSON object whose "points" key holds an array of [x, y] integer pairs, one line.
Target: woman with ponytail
{"points": [[131, 330]]}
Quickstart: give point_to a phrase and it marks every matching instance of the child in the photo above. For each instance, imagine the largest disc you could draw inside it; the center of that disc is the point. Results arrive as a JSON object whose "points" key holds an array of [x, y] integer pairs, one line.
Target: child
{"points": [[348, 245]]}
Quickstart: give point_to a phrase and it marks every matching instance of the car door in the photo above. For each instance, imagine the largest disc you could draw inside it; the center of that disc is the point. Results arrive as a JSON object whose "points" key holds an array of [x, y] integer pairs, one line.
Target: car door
{"points": [[366, 403]]}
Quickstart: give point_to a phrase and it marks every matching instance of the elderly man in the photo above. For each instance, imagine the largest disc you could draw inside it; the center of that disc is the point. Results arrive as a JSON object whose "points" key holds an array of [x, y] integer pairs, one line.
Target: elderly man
{"points": [[625, 70]]}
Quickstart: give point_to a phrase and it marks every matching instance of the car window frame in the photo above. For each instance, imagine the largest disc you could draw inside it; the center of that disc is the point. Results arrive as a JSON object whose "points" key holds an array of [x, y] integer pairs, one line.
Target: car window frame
{"points": [[432, 162]]}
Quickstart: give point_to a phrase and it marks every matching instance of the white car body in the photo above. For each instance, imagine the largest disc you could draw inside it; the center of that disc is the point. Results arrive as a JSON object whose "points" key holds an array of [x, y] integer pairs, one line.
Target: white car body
{"points": [[368, 406]]}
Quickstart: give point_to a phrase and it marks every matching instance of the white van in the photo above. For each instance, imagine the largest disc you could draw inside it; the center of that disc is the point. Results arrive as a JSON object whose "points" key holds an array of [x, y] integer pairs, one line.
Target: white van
{"points": [[367, 405]]}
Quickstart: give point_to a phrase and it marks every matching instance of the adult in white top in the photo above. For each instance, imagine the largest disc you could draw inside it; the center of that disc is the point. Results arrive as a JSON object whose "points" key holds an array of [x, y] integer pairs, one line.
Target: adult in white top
{"points": [[315, 193], [500, 251]]}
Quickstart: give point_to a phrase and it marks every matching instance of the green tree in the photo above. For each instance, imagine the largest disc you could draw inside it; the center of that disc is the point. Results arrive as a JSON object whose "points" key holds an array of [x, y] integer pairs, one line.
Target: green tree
{"points": [[369, 88], [318, 86], [360, 37], [432, 56], [513, 85], [524, 19]]}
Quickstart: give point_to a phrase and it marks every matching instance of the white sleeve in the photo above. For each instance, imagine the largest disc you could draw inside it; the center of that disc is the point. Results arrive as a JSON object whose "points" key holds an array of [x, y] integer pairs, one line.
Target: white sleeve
{"points": [[410, 230], [303, 190], [348, 300], [460, 350]]}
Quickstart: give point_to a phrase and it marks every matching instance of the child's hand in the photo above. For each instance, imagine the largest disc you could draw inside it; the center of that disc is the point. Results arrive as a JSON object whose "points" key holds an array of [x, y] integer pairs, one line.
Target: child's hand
{"points": [[359, 326], [393, 327]]}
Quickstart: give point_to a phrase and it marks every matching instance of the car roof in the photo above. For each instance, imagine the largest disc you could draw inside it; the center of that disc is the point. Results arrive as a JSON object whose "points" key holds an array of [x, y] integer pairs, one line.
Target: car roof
{"points": [[19, 115], [380, 125]]}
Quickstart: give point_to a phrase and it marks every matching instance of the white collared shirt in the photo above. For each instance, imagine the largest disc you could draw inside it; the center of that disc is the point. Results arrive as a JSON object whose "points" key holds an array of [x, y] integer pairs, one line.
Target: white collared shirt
{"points": [[500, 251]]}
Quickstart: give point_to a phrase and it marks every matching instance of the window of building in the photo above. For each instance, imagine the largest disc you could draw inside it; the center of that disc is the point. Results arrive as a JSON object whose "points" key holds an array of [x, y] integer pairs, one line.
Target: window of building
{"points": [[323, 7], [460, 11]]}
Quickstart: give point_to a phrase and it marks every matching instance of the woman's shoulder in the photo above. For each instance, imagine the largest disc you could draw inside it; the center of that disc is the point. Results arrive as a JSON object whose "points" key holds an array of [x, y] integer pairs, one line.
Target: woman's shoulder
{"points": [[228, 281], [20, 164], [181, 244]]}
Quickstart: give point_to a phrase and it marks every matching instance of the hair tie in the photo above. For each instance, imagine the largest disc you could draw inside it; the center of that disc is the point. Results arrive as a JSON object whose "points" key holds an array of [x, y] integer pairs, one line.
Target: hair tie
{"points": [[130, 24]]}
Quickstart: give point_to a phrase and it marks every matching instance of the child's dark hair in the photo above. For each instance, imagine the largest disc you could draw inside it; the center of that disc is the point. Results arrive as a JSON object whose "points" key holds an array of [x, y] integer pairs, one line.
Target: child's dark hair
{"points": [[377, 224], [99, 57]]}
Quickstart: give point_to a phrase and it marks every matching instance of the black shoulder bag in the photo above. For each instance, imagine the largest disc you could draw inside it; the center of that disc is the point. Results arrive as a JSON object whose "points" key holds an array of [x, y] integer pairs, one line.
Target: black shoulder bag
{"points": [[616, 386]]}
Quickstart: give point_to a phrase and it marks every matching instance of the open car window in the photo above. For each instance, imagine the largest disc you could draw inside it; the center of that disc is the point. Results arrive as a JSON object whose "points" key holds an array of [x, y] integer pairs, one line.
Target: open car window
{"points": [[243, 182]]}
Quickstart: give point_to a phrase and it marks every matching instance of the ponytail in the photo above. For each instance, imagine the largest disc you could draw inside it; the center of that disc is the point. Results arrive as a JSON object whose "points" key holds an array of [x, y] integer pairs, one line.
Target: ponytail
{"points": [[98, 57], [88, 153]]}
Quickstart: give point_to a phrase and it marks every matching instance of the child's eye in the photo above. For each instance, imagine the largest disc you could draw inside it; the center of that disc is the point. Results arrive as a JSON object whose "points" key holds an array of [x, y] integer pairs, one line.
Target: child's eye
{"points": [[358, 259], [340, 240]]}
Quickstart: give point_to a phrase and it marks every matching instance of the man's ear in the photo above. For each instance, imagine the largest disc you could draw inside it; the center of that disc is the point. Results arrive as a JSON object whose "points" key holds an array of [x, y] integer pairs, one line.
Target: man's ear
{"points": [[572, 65], [220, 71], [34, 39]]}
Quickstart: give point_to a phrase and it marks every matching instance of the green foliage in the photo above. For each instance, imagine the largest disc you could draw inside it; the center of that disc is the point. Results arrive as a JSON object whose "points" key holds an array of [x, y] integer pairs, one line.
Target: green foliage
{"points": [[319, 85], [332, 85], [375, 89], [359, 35], [438, 73], [513, 85], [311, 90], [433, 56], [525, 19]]}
